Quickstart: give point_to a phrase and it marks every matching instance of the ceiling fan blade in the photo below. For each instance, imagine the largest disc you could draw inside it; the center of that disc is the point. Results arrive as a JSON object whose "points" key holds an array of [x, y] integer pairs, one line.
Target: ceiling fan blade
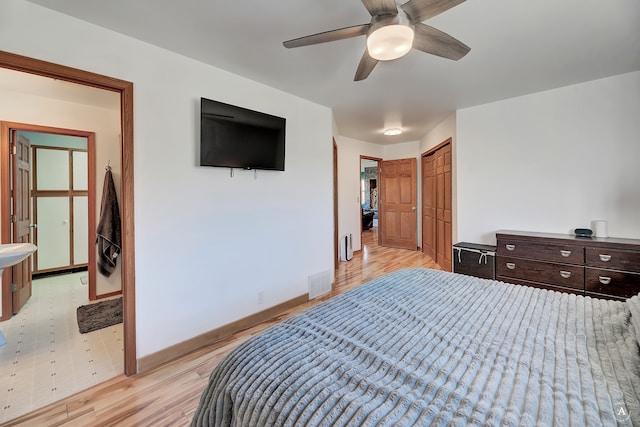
{"points": [[329, 36], [429, 40], [420, 10], [365, 67], [381, 7]]}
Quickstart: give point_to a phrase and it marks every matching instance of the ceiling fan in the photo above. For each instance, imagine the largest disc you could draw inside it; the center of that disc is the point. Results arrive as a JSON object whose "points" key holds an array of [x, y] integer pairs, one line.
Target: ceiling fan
{"points": [[394, 29]]}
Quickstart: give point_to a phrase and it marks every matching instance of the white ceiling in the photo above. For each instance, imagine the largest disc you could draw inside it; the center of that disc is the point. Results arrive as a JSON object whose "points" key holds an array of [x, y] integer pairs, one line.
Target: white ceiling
{"points": [[517, 47]]}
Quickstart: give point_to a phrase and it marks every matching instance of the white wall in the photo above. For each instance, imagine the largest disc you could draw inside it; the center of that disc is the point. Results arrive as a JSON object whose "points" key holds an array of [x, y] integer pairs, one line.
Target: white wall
{"points": [[349, 214], [551, 161], [404, 150], [206, 243], [17, 106], [444, 130]]}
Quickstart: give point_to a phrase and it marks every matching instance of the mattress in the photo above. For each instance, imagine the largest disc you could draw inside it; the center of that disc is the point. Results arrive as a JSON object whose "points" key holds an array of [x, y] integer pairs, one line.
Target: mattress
{"points": [[424, 347]]}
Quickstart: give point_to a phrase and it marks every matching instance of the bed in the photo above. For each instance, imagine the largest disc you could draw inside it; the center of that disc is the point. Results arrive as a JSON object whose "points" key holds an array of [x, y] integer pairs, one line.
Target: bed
{"points": [[425, 347]]}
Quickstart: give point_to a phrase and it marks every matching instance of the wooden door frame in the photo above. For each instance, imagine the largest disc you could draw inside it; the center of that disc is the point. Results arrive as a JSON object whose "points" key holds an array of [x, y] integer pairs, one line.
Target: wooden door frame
{"points": [[437, 147], [377, 159], [125, 89], [6, 127], [336, 259], [430, 151]]}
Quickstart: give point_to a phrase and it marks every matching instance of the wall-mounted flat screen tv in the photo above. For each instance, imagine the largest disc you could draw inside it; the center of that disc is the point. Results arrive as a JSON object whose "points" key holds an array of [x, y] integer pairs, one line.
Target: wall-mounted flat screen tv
{"points": [[235, 137]]}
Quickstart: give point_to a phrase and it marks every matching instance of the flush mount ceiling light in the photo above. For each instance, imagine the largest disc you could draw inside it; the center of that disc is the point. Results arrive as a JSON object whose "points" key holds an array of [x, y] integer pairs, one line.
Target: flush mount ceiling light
{"points": [[393, 31], [392, 131]]}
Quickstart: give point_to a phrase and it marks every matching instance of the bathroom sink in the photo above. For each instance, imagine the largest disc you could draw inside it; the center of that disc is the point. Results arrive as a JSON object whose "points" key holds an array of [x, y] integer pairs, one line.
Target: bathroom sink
{"points": [[13, 253]]}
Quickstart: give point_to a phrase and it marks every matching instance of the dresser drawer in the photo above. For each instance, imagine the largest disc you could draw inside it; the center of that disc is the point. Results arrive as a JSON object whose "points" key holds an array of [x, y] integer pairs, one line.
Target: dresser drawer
{"points": [[569, 276], [612, 282], [541, 285], [613, 259], [554, 252]]}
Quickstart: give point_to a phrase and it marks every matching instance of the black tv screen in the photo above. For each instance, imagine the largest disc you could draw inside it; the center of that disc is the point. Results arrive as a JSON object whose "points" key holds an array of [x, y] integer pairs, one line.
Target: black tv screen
{"points": [[235, 137]]}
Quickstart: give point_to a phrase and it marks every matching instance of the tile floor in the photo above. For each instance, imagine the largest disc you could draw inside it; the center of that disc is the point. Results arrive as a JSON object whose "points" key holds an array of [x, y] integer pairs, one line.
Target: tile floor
{"points": [[45, 357]]}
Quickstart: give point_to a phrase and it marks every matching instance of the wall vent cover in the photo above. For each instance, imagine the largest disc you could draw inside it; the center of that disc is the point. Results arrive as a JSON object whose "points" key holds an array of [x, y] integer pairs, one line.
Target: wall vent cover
{"points": [[319, 284]]}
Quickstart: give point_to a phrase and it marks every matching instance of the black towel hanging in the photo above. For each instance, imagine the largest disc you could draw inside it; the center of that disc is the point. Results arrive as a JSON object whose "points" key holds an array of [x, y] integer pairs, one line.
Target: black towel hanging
{"points": [[109, 232]]}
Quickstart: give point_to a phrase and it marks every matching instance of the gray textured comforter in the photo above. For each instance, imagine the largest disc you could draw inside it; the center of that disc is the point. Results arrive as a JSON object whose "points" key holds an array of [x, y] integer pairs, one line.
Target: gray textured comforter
{"points": [[423, 347]]}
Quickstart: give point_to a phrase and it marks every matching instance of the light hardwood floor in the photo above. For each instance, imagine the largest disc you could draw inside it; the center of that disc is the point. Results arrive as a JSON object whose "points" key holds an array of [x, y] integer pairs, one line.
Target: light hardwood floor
{"points": [[169, 395]]}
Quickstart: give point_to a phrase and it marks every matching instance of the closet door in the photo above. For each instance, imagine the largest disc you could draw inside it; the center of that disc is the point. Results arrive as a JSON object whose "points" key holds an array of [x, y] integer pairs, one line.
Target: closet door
{"points": [[429, 206], [443, 206], [51, 207], [60, 203], [436, 205]]}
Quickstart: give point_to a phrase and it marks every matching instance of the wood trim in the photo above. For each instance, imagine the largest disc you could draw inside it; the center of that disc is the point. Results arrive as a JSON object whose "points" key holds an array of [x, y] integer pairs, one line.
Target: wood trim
{"points": [[61, 72], [59, 193], [161, 357], [336, 259], [5, 226], [70, 268], [376, 159], [128, 221], [50, 147], [125, 88], [91, 187], [72, 228], [109, 294], [437, 147]]}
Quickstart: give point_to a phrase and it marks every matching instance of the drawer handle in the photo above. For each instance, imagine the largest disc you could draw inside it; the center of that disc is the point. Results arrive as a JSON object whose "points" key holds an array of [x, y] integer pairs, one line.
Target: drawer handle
{"points": [[605, 258], [565, 274], [565, 253], [510, 247], [511, 266], [604, 280]]}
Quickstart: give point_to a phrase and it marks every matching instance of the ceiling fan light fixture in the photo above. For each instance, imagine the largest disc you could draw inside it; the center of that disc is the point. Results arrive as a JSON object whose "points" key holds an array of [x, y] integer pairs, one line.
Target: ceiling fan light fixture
{"points": [[392, 131], [390, 42]]}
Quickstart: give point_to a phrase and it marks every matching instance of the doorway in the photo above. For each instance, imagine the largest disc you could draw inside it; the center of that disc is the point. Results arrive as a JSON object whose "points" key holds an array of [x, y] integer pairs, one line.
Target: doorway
{"points": [[63, 203], [436, 204], [60, 204], [369, 192], [125, 90]]}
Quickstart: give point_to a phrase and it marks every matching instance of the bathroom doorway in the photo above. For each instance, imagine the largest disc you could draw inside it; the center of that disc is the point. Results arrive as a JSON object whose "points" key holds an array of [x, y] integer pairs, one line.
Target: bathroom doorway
{"points": [[77, 78]]}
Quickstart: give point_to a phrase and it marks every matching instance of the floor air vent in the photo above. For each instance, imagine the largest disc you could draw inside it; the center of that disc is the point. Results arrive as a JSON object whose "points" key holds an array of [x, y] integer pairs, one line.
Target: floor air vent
{"points": [[319, 284]]}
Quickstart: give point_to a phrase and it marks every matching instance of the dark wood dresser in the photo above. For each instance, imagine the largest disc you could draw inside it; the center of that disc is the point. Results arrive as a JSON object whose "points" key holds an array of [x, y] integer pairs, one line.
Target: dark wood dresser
{"points": [[597, 267]]}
